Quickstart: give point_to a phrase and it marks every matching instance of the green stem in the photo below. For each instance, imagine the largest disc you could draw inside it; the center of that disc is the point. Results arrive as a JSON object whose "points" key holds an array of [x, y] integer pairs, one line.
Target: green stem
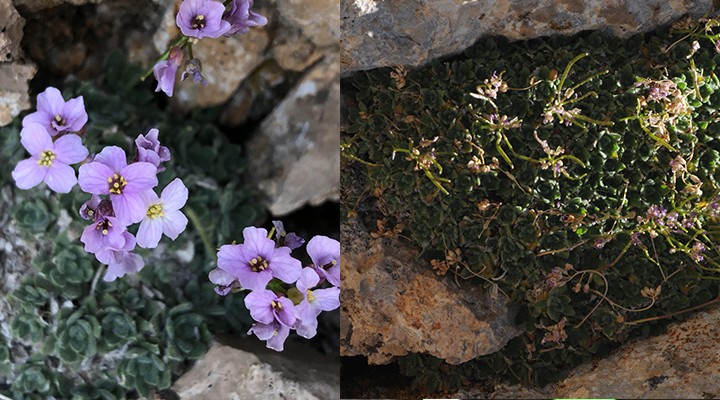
{"points": [[567, 71], [182, 41], [200, 230]]}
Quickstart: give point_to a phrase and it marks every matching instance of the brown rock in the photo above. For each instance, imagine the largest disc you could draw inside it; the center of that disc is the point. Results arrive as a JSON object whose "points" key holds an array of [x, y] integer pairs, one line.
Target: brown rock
{"points": [[11, 31], [391, 306], [36, 5], [294, 156], [684, 362], [229, 373], [319, 20], [14, 96], [226, 62]]}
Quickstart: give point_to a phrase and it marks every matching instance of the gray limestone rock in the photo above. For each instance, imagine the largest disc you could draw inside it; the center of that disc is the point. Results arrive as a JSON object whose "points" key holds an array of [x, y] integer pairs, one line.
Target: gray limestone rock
{"points": [[413, 32]]}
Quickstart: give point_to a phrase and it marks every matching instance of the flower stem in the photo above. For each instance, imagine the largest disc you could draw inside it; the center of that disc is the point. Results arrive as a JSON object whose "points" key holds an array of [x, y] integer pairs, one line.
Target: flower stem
{"points": [[200, 230]]}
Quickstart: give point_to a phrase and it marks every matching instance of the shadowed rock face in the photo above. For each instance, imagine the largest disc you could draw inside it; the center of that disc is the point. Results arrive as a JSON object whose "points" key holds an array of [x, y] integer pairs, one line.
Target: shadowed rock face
{"points": [[412, 32], [392, 305]]}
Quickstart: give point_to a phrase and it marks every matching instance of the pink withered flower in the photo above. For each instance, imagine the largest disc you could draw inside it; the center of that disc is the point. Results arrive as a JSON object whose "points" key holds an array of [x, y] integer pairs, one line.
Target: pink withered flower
{"points": [[150, 150]]}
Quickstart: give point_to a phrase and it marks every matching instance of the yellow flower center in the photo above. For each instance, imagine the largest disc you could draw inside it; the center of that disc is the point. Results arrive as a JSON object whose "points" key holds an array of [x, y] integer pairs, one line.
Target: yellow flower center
{"points": [[258, 264], [310, 296], [60, 121], [276, 305], [117, 184], [155, 211], [198, 22], [104, 226], [46, 158]]}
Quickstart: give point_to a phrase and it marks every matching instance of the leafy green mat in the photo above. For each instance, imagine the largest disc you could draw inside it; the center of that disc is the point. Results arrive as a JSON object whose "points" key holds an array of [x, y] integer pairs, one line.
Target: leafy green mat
{"points": [[578, 175]]}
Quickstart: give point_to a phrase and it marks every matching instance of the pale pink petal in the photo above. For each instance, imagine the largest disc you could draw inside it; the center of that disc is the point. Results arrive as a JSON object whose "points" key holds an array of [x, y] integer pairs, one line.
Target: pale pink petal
{"points": [[326, 299], [173, 224], [174, 196], [264, 331], [252, 280], [40, 117], [112, 156], [129, 207], [323, 250], [51, 101], [220, 277], [149, 233], [74, 112], [230, 257], [61, 178], [93, 178], [256, 242], [308, 280], [277, 342], [28, 173], [70, 150], [140, 176], [285, 267], [36, 139], [258, 302]]}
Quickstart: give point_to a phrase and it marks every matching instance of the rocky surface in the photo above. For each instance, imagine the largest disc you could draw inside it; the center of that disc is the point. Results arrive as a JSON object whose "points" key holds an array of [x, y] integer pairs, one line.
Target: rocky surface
{"points": [[36, 5], [294, 156], [391, 306], [229, 373], [684, 362], [411, 33], [14, 73]]}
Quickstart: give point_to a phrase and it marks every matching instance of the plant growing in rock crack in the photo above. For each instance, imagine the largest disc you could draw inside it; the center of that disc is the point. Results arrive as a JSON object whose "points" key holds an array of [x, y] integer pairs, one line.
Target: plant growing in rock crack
{"points": [[589, 197], [198, 19]]}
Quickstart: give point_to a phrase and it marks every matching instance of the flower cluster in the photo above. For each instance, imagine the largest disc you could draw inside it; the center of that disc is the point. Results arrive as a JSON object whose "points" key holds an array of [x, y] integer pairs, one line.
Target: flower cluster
{"points": [[127, 188], [130, 199], [46, 136], [199, 19], [283, 295]]}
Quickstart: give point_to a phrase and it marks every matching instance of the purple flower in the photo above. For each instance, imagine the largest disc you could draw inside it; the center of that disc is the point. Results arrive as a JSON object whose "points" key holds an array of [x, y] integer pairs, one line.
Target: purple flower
{"points": [[274, 334], [241, 18], [124, 263], [202, 18], [150, 150], [50, 161], [193, 68], [265, 307], [96, 209], [105, 234], [600, 242], [110, 174], [110, 256], [314, 302], [166, 70], [255, 262], [163, 214], [56, 115], [224, 281], [325, 255], [696, 253], [282, 238]]}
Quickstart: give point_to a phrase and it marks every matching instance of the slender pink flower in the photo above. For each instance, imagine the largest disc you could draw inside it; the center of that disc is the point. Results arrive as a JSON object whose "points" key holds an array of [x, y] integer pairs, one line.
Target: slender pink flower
{"points": [[274, 334], [165, 71], [314, 302], [241, 18], [50, 161]]}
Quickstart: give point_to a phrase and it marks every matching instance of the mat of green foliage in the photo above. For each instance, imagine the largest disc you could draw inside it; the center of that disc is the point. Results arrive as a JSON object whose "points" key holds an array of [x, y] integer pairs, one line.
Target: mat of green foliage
{"points": [[578, 175], [73, 336]]}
